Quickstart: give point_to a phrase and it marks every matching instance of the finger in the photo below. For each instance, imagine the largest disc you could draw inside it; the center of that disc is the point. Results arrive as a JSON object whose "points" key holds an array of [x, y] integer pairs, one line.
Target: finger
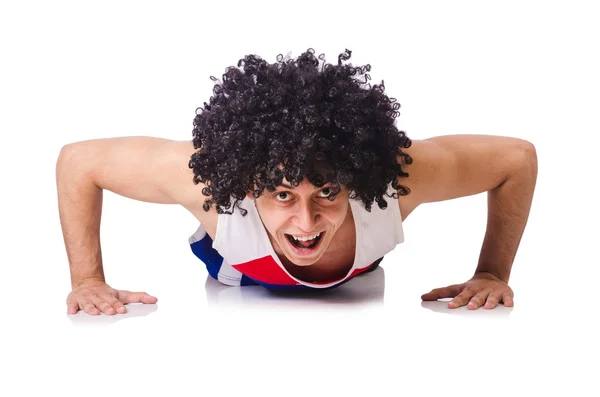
{"points": [[106, 308], [118, 306], [461, 299], [492, 301], [72, 305], [89, 307], [507, 299], [103, 305], [438, 293], [478, 300], [135, 297]]}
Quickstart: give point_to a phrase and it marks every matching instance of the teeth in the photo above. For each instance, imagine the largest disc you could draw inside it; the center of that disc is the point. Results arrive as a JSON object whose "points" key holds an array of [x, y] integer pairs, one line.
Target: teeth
{"points": [[307, 237]]}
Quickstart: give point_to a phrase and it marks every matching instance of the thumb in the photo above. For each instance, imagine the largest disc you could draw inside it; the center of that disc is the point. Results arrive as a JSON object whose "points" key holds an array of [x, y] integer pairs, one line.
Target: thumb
{"points": [[135, 297], [439, 293], [431, 295]]}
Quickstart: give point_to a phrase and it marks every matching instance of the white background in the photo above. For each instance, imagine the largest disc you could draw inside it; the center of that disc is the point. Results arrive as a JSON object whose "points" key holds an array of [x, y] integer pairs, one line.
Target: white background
{"points": [[79, 70]]}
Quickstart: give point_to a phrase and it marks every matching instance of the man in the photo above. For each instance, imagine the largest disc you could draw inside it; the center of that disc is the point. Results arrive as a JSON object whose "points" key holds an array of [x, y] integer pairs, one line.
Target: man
{"points": [[286, 162]]}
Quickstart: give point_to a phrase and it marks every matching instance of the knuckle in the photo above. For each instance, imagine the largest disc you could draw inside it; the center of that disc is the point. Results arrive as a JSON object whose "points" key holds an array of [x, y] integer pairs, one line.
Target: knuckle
{"points": [[87, 304], [106, 307], [477, 299], [86, 295], [102, 304], [116, 303]]}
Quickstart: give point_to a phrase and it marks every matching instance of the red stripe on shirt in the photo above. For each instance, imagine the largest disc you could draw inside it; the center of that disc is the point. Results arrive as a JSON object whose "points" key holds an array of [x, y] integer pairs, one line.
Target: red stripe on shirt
{"points": [[266, 270]]}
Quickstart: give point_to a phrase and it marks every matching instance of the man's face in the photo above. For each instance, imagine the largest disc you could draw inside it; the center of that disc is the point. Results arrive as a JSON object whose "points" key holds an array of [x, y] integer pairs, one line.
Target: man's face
{"points": [[302, 212]]}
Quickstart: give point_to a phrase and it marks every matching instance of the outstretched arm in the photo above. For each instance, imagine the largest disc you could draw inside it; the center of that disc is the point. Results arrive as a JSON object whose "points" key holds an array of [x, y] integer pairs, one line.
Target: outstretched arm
{"points": [[142, 168], [453, 166]]}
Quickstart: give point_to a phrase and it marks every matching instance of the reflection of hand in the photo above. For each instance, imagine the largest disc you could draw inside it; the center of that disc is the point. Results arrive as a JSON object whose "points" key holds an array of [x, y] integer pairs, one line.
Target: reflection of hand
{"points": [[482, 288], [95, 296]]}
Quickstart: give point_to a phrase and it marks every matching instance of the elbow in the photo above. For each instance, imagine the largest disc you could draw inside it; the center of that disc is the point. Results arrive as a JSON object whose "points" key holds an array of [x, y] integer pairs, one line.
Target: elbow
{"points": [[530, 154], [529, 150], [70, 160], [524, 152], [522, 161], [528, 160], [65, 156]]}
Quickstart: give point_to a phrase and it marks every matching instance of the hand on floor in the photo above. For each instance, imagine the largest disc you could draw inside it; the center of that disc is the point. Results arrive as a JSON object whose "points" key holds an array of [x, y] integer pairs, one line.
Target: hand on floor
{"points": [[95, 296], [482, 288]]}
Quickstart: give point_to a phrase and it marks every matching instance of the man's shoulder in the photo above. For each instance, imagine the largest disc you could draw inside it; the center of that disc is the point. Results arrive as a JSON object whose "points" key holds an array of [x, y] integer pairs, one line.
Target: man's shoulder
{"points": [[179, 183], [411, 201]]}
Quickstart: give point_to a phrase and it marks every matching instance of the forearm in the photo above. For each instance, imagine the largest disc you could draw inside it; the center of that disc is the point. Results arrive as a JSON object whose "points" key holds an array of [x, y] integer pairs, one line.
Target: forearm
{"points": [[80, 209], [508, 210]]}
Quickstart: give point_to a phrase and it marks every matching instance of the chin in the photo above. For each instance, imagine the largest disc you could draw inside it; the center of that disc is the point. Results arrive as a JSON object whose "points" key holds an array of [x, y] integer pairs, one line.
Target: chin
{"points": [[302, 263]]}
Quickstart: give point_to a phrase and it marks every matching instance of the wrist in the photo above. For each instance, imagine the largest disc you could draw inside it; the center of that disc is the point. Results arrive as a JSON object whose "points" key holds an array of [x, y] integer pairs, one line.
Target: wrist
{"points": [[75, 283], [488, 272]]}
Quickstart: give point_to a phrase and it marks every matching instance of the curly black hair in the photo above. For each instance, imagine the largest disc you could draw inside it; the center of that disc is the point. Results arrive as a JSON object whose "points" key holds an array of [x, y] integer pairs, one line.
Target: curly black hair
{"points": [[290, 119]]}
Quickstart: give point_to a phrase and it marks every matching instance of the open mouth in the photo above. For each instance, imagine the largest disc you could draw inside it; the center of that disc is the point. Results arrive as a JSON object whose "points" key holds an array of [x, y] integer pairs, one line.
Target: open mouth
{"points": [[304, 247]]}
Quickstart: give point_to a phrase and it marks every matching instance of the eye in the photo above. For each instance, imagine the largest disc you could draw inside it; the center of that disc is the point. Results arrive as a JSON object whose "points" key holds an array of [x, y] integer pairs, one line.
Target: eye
{"points": [[281, 196], [326, 191]]}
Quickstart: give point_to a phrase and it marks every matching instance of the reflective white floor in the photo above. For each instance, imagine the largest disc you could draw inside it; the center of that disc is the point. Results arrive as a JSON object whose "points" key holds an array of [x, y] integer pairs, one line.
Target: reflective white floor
{"points": [[361, 338], [364, 292]]}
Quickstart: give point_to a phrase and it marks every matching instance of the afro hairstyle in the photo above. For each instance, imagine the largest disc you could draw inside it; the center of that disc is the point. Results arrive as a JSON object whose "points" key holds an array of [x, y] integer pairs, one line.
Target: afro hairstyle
{"points": [[295, 119]]}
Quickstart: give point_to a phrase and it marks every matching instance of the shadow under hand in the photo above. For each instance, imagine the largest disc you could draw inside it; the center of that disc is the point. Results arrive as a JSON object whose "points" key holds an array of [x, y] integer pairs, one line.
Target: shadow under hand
{"points": [[366, 289], [133, 310], [441, 306]]}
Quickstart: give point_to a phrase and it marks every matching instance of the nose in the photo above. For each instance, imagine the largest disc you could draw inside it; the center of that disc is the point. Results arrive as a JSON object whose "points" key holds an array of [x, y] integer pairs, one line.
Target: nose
{"points": [[307, 218]]}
